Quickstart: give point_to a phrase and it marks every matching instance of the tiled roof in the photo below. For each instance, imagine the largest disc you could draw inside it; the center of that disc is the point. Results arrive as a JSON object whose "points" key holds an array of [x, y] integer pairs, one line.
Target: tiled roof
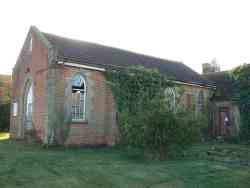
{"points": [[102, 56]]}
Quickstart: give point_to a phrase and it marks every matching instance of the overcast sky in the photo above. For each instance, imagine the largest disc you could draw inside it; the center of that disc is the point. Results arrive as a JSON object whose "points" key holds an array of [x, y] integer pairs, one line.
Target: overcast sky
{"points": [[193, 31]]}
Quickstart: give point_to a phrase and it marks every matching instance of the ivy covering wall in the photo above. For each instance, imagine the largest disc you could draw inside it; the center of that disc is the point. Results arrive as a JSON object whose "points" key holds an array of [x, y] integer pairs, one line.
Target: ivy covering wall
{"points": [[241, 87], [145, 115]]}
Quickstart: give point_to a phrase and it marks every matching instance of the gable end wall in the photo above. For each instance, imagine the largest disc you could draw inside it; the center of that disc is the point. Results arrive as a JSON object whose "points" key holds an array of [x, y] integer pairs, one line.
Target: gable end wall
{"points": [[34, 66]]}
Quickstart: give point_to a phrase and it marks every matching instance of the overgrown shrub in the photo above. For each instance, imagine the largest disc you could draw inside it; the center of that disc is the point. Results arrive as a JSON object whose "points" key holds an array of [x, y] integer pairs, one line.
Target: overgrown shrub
{"points": [[145, 117], [5, 87], [165, 127], [4, 116], [242, 97]]}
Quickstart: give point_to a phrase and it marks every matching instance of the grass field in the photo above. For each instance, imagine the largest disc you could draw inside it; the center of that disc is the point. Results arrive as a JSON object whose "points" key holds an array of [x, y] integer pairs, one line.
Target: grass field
{"points": [[29, 166]]}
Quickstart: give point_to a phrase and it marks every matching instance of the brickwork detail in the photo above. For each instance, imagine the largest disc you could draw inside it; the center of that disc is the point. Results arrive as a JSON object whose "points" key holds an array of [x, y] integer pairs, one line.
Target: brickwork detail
{"points": [[33, 66]]}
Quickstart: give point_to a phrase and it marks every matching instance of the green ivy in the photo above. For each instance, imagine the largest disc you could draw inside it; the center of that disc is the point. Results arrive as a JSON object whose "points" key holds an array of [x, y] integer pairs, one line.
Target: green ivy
{"points": [[144, 115], [135, 86], [241, 76]]}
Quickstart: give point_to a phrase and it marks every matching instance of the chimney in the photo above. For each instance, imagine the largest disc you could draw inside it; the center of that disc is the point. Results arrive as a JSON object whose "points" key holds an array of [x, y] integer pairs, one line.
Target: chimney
{"points": [[210, 67]]}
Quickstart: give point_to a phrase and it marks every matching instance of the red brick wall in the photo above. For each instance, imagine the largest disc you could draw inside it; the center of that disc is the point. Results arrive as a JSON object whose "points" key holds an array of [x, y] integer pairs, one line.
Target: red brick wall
{"points": [[40, 76], [99, 127], [34, 65]]}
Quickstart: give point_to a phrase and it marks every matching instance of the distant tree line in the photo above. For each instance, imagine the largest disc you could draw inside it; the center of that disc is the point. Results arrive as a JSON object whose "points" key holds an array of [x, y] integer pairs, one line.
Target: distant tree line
{"points": [[5, 89]]}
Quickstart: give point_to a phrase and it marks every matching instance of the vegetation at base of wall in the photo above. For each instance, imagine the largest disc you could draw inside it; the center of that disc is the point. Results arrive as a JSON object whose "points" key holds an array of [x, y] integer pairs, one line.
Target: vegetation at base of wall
{"points": [[5, 85], [204, 166], [145, 115], [59, 132], [4, 116], [241, 76]]}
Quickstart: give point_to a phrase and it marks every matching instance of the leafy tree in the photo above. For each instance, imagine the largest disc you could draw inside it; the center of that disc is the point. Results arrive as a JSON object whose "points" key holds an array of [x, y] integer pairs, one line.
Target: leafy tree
{"points": [[242, 96], [4, 116], [5, 84]]}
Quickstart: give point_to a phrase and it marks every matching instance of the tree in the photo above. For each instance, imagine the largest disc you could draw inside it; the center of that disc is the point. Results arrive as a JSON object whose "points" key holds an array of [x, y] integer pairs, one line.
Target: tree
{"points": [[4, 116], [242, 97], [5, 85]]}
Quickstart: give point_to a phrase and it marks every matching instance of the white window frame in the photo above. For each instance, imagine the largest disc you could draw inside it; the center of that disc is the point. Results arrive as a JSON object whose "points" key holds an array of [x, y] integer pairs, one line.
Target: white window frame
{"points": [[29, 103], [77, 108], [15, 109], [170, 92], [200, 103]]}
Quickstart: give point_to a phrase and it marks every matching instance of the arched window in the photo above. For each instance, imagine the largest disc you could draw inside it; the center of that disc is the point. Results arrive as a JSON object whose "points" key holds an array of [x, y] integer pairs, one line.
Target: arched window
{"points": [[200, 102], [170, 97], [29, 104], [78, 98]]}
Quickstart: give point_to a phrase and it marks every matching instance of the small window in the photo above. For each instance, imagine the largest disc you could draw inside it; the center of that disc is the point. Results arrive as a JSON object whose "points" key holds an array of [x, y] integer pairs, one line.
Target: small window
{"points": [[200, 102], [78, 98], [189, 100], [30, 45], [170, 97], [15, 107]]}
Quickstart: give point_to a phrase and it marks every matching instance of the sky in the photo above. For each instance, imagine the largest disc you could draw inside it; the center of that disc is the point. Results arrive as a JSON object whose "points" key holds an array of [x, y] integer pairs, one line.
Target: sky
{"points": [[193, 32]]}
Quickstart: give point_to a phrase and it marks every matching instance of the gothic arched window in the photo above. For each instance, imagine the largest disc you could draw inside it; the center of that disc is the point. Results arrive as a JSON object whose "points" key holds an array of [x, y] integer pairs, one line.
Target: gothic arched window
{"points": [[170, 97], [200, 102], [78, 98], [29, 104]]}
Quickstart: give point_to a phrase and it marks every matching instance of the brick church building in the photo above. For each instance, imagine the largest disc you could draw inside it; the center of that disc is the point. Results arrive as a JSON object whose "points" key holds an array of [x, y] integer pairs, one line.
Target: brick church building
{"points": [[56, 74]]}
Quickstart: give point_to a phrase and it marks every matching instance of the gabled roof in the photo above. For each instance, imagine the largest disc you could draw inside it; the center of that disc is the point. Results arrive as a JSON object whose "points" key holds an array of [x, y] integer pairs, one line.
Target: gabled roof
{"points": [[87, 53]]}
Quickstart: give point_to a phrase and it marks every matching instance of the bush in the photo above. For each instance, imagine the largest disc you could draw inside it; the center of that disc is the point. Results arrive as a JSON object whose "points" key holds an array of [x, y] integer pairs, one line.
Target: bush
{"points": [[158, 128], [4, 116], [145, 116], [242, 98]]}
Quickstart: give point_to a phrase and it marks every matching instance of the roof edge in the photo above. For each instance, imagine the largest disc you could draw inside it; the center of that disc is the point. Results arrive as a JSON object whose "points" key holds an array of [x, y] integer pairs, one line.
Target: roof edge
{"points": [[97, 67], [41, 36]]}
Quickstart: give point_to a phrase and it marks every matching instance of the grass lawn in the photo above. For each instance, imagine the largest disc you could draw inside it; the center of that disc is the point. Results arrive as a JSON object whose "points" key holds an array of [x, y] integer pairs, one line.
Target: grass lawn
{"points": [[29, 166]]}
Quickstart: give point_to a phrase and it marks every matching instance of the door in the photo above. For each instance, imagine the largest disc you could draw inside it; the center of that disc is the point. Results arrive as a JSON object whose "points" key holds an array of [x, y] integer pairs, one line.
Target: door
{"points": [[224, 121]]}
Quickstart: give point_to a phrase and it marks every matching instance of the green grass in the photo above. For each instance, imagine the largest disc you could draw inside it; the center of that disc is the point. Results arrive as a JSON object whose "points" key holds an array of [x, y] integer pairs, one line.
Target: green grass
{"points": [[23, 165]]}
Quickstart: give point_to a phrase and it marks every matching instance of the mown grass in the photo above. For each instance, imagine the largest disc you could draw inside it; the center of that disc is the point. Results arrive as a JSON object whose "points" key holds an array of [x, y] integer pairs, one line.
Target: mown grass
{"points": [[23, 165]]}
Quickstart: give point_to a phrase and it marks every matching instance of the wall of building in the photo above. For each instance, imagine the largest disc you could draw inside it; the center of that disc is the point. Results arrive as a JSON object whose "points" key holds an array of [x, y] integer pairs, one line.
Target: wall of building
{"points": [[188, 95], [99, 128], [52, 89], [31, 66]]}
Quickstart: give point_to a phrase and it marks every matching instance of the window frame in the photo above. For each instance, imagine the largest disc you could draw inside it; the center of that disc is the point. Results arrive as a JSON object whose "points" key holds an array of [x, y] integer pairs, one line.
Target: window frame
{"points": [[200, 101], [29, 103], [73, 118], [170, 91], [15, 109]]}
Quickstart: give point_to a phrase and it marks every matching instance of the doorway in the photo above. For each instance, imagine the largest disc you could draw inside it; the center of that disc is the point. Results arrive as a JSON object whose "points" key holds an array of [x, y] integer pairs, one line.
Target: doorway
{"points": [[224, 122]]}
